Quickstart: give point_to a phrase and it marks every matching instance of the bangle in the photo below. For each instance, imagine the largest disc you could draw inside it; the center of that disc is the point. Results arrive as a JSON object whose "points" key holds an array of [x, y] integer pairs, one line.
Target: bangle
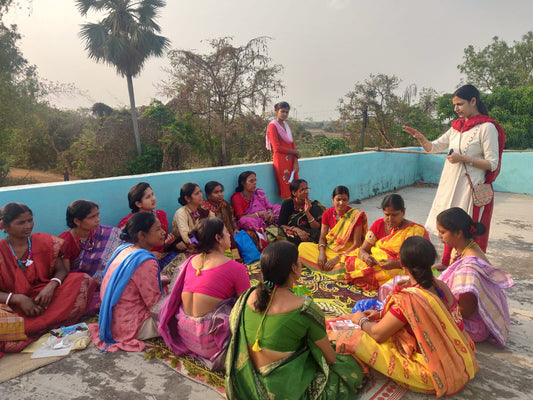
{"points": [[311, 221], [471, 161], [256, 215], [9, 298], [363, 321], [57, 280], [321, 245]]}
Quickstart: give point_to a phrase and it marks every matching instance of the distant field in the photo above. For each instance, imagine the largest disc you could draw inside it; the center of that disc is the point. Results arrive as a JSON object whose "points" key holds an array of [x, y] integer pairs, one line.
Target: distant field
{"points": [[34, 176], [316, 132]]}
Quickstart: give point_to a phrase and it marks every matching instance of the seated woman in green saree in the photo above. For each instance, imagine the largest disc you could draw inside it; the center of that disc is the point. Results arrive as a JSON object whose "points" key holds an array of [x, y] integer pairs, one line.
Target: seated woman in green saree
{"points": [[277, 335]]}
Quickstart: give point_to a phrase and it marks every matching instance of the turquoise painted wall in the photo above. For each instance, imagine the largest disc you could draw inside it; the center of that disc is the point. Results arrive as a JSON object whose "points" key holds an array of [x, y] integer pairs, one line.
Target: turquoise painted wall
{"points": [[516, 175], [365, 174]]}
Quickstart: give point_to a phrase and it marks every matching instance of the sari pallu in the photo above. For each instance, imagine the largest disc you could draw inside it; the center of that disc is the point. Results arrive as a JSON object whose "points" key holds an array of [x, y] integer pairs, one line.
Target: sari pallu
{"points": [[476, 276], [386, 248], [69, 301], [310, 376], [338, 239], [205, 338], [94, 261], [223, 211], [258, 203], [436, 358]]}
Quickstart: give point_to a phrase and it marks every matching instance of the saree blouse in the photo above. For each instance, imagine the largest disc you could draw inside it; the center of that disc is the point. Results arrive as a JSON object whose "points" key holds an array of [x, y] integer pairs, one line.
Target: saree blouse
{"points": [[285, 332]]}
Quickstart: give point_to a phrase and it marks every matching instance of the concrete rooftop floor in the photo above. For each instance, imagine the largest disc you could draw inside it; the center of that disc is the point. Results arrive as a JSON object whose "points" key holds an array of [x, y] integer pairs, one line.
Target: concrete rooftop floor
{"points": [[504, 373]]}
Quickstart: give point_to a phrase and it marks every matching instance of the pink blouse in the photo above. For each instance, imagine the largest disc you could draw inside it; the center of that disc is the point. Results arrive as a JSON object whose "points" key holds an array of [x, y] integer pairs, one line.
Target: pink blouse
{"points": [[223, 282]]}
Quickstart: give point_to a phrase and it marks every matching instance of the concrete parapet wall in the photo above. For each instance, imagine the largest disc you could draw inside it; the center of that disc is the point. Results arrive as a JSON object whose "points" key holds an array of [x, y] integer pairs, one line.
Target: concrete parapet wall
{"points": [[365, 174]]}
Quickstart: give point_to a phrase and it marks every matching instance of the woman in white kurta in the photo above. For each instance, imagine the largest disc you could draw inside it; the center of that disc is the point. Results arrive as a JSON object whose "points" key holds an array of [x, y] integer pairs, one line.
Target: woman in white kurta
{"points": [[477, 142]]}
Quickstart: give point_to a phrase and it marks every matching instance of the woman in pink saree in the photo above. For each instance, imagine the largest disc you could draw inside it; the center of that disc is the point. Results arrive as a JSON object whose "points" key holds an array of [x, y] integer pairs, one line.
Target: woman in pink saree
{"points": [[252, 209], [194, 319]]}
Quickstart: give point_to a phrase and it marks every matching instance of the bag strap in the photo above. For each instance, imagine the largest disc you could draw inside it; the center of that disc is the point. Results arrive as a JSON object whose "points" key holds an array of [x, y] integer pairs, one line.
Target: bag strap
{"points": [[468, 177]]}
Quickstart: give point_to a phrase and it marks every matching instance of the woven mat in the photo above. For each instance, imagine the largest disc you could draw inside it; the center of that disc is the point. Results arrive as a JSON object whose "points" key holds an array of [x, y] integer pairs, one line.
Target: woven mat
{"points": [[334, 299], [187, 366], [379, 387], [16, 364]]}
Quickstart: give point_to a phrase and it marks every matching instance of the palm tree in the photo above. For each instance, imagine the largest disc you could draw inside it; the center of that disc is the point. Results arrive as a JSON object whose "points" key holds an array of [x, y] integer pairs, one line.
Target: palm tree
{"points": [[125, 39]]}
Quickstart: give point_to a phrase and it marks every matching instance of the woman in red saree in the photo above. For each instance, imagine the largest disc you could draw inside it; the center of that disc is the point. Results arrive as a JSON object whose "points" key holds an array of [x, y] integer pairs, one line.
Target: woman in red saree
{"points": [[279, 139], [34, 282]]}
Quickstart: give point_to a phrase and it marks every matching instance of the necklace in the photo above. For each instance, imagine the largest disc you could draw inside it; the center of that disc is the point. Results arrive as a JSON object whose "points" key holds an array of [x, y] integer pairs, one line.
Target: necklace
{"points": [[296, 208], [458, 256], [23, 262], [338, 217], [396, 229], [88, 244]]}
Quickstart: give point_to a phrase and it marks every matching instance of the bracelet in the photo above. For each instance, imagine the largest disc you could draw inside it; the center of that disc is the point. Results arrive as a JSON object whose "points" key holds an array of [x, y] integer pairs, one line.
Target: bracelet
{"points": [[57, 280], [257, 215], [363, 321], [311, 221], [9, 298], [321, 245], [471, 161]]}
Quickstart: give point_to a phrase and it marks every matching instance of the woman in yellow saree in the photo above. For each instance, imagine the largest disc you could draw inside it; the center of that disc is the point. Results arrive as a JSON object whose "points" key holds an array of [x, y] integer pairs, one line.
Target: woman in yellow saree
{"points": [[343, 230], [377, 260], [418, 340]]}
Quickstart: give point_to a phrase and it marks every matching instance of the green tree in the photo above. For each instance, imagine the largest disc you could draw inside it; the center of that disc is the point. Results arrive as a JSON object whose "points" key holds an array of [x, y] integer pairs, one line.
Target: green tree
{"points": [[513, 109], [370, 109], [125, 39], [330, 146], [500, 64], [19, 92], [177, 139], [218, 88]]}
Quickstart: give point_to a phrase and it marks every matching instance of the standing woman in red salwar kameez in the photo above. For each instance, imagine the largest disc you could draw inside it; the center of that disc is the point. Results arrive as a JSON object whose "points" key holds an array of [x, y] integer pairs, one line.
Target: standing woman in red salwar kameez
{"points": [[34, 282], [285, 158]]}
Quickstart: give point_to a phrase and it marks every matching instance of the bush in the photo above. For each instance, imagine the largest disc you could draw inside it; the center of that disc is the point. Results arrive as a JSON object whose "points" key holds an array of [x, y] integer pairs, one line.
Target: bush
{"points": [[150, 161], [330, 146]]}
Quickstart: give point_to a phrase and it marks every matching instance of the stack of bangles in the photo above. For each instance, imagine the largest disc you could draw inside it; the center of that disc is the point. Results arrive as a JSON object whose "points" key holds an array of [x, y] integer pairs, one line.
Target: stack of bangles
{"points": [[363, 321], [57, 280]]}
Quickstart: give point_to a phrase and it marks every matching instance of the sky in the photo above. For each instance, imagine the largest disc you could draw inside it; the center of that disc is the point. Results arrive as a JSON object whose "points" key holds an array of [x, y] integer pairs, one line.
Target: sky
{"points": [[324, 46]]}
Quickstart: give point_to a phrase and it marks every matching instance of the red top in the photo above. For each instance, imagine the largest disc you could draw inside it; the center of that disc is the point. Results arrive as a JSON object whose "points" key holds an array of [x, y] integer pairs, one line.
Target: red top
{"points": [[239, 203], [378, 229], [278, 144], [70, 249], [328, 218]]}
